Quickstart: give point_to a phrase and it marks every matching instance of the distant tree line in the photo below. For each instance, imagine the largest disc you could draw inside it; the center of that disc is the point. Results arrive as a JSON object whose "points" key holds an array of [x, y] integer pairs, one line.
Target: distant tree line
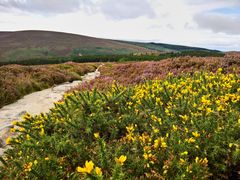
{"points": [[114, 58]]}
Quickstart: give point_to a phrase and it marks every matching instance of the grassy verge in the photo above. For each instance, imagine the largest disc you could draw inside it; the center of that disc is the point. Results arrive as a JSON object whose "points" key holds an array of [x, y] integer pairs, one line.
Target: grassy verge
{"points": [[17, 81], [185, 126]]}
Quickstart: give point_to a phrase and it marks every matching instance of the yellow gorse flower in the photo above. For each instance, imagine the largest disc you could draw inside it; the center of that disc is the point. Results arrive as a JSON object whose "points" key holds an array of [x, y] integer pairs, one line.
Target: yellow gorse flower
{"points": [[191, 140], [8, 140], [14, 123], [195, 134], [87, 168], [184, 153], [203, 162], [98, 171], [182, 161], [130, 133], [130, 128], [96, 135], [160, 142], [28, 167], [205, 101], [121, 160], [175, 128], [184, 117], [28, 137], [12, 130], [42, 132]]}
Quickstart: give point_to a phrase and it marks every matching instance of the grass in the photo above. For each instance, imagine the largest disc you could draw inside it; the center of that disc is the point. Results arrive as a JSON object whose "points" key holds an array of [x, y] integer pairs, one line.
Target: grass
{"points": [[17, 81], [21, 53], [184, 126]]}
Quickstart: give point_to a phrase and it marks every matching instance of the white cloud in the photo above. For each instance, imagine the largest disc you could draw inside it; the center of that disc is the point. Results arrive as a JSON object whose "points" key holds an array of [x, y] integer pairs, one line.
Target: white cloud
{"points": [[219, 23], [215, 2], [126, 9], [45, 6]]}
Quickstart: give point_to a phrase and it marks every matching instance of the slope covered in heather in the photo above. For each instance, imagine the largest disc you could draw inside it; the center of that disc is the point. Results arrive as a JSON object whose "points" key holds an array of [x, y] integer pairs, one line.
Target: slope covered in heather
{"points": [[45, 45]]}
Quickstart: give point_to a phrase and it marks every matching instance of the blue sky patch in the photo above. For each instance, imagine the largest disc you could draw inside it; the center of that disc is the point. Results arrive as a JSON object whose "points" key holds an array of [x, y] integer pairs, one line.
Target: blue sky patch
{"points": [[233, 10]]}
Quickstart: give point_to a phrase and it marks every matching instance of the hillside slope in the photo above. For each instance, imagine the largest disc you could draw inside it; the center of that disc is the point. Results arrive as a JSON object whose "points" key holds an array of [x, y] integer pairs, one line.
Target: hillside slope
{"points": [[25, 45], [168, 47], [41, 44]]}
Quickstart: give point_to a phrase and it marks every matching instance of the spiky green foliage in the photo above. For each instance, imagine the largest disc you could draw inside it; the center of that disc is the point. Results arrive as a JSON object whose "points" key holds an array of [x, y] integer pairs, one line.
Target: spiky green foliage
{"points": [[185, 127]]}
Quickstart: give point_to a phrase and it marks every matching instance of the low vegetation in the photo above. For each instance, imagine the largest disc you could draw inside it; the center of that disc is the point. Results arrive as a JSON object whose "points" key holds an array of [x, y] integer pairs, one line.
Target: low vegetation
{"points": [[17, 81], [137, 72], [114, 58], [184, 126], [168, 47], [178, 117]]}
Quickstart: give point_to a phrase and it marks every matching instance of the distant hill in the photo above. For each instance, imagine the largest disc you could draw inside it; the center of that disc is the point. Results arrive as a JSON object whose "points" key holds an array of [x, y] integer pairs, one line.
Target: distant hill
{"points": [[167, 47], [24, 45]]}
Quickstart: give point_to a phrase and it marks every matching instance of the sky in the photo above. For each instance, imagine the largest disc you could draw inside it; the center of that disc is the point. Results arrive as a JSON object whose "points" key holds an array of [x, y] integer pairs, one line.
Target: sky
{"points": [[211, 24]]}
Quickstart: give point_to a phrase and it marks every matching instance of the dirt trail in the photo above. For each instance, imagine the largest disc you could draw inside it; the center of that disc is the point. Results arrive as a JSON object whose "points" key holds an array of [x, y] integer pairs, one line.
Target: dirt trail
{"points": [[35, 103]]}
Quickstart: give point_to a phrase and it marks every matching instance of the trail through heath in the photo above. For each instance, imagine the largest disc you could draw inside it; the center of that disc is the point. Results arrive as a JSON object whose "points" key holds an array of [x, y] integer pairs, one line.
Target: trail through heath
{"points": [[34, 104]]}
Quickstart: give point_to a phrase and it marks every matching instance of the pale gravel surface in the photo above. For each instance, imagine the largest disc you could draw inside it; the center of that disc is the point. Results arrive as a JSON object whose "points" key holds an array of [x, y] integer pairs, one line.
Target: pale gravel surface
{"points": [[35, 103]]}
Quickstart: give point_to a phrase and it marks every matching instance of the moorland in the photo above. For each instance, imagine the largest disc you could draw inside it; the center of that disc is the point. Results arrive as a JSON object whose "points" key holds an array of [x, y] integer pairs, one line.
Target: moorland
{"points": [[143, 118]]}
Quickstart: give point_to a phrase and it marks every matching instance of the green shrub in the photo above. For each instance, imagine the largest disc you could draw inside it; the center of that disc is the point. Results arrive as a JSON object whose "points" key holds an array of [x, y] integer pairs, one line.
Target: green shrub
{"points": [[185, 127]]}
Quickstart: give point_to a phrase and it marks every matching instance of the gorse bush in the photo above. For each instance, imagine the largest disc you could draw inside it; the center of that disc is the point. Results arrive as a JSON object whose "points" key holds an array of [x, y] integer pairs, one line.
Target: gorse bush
{"points": [[186, 127]]}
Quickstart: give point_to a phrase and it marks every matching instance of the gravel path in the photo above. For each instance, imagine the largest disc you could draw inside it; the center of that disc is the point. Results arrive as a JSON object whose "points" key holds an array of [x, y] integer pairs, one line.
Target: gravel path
{"points": [[35, 103]]}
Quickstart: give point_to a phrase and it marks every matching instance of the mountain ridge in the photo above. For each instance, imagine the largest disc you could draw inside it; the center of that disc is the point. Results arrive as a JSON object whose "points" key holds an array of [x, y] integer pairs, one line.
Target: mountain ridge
{"points": [[30, 44]]}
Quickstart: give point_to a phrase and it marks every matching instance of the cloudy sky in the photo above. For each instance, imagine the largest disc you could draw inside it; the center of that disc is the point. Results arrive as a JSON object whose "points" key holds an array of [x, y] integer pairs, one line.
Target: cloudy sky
{"points": [[206, 23]]}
